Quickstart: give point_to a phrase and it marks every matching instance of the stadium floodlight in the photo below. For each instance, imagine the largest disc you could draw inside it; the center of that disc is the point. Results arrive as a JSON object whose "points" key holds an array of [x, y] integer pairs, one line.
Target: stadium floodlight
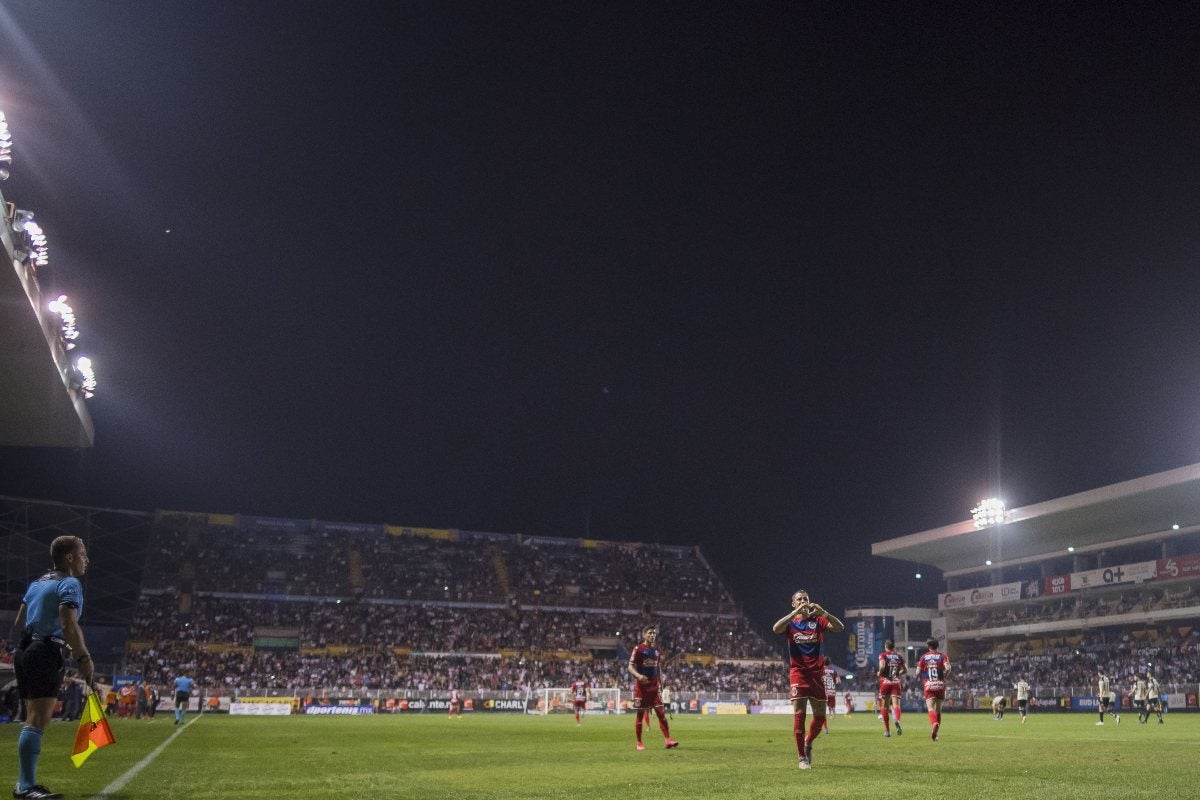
{"points": [[918, 576], [1070, 549], [988, 562], [1175, 527], [88, 374], [989, 512], [6, 144]]}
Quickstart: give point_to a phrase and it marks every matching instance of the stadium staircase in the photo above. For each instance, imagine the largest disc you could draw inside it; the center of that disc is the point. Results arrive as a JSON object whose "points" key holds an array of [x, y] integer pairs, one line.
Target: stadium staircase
{"points": [[501, 569], [354, 560]]}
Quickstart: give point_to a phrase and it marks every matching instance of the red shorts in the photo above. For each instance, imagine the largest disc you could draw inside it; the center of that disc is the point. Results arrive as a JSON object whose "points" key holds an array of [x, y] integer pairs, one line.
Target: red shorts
{"points": [[938, 693], [580, 703], [803, 685], [646, 696], [890, 689], [831, 701]]}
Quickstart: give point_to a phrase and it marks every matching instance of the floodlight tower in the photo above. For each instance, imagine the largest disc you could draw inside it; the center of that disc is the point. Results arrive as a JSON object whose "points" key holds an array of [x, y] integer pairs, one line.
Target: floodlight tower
{"points": [[43, 391]]}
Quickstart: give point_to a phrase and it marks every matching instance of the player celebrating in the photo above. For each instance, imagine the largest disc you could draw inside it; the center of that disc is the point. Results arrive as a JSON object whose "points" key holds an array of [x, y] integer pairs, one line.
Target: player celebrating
{"points": [[829, 678], [644, 667], [892, 670], [933, 667], [580, 692], [805, 626], [1022, 687]]}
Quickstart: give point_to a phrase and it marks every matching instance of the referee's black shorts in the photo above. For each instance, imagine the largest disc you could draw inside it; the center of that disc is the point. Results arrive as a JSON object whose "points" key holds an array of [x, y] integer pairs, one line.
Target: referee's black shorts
{"points": [[40, 668]]}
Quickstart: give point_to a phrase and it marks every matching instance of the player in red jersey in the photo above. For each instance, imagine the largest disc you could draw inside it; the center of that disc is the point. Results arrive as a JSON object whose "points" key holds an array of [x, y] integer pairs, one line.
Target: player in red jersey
{"points": [[456, 704], [829, 678], [892, 670], [933, 667], [580, 691], [805, 626], [849, 704], [644, 666]]}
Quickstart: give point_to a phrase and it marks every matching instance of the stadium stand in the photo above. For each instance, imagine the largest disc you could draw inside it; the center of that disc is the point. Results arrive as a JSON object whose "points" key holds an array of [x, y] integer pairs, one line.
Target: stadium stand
{"points": [[1106, 579]]}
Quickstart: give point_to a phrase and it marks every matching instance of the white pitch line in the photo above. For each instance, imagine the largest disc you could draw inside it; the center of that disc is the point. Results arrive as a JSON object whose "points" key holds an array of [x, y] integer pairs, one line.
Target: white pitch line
{"points": [[133, 771]]}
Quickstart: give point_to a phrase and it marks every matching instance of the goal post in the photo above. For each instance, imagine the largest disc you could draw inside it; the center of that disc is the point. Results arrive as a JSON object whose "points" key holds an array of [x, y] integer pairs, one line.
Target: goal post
{"points": [[560, 700]]}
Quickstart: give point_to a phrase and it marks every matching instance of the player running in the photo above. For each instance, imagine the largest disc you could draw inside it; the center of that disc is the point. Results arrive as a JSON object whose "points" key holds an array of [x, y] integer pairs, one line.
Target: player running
{"points": [[805, 626], [933, 667], [644, 667], [580, 693], [892, 670], [1022, 686]]}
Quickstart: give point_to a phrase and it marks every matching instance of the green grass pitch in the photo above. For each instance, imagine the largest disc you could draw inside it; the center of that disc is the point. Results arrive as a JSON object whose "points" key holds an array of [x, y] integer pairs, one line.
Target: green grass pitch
{"points": [[1052, 757]]}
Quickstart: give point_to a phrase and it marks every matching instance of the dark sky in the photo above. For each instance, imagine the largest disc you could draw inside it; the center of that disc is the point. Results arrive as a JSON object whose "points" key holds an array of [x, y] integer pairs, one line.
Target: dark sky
{"points": [[778, 279]]}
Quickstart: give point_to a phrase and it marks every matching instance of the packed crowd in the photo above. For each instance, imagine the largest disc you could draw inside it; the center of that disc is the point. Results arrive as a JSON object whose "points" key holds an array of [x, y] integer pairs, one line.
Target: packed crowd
{"points": [[380, 670], [1067, 668], [512, 570], [1083, 607], [428, 627]]}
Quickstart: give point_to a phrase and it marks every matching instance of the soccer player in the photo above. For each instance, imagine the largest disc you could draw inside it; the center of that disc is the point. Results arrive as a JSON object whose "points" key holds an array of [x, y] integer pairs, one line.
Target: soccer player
{"points": [[183, 692], [1154, 697], [644, 666], [999, 702], [454, 709], [892, 670], [849, 704], [934, 666], [1105, 696], [805, 627], [48, 619], [829, 678], [1022, 687], [580, 692], [1139, 698]]}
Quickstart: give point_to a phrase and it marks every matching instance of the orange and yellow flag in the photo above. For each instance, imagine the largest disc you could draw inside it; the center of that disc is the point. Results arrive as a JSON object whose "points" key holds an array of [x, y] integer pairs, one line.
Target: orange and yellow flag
{"points": [[93, 732]]}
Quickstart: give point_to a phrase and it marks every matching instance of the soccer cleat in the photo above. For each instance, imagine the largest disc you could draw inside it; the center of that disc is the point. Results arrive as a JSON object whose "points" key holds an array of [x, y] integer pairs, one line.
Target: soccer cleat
{"points": [[671, 743], [1118, 719], [804, 763], [1160, 722], [641, 746], [1101, 722], [37, 792], [887, 734], [899, 730], [1022, 720]]}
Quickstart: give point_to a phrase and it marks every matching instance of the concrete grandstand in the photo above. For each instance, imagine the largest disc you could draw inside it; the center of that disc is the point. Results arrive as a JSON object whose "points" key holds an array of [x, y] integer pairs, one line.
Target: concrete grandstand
{"points": [[1104, 579]]}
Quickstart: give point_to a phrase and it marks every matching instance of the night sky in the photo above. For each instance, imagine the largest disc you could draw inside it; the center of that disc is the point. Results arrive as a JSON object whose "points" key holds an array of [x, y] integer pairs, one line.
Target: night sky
{"points": [[780, 280]]}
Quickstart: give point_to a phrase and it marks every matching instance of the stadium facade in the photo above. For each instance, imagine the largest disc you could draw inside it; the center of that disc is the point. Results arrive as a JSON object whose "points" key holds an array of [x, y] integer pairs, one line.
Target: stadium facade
{"points": [[1103, 579]]}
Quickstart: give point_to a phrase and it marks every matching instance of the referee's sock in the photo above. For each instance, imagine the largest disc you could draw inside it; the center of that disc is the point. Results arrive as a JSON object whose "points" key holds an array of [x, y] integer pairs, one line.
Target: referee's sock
{"points": [[29, 747]]}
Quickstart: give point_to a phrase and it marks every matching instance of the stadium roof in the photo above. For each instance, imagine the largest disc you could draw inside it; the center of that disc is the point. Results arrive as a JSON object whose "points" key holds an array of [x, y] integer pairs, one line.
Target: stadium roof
{"points": [[37, 409], [1143, 509]]}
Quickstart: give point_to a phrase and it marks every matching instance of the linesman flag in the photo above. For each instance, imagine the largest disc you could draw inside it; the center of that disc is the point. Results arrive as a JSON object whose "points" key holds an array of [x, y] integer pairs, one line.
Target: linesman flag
{"points": [[93, 732]]}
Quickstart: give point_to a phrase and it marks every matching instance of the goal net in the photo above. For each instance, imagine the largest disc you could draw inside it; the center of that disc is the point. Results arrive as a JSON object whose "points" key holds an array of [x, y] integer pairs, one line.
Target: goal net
{"points": [[559, 700]]}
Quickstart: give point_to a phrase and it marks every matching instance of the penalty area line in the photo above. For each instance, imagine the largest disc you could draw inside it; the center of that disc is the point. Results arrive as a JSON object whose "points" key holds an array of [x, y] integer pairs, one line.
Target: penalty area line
{"points": [[133, 771]]}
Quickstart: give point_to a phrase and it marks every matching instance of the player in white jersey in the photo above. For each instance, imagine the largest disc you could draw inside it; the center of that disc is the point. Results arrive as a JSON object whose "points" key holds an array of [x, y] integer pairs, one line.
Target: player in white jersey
{"points": [[1022, 687], [1106, 697], [1154, 698], [1140, 694]]}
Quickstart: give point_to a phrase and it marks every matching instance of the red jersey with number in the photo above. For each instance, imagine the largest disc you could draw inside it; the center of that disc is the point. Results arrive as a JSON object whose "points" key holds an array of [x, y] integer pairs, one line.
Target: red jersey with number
{"points": [[933, 666], [830, 676], [579, 690]]}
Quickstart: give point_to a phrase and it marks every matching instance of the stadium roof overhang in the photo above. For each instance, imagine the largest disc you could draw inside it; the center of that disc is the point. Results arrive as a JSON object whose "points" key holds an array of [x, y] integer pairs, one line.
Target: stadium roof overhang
{"points": [[37, 408], [1142, 509]]}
